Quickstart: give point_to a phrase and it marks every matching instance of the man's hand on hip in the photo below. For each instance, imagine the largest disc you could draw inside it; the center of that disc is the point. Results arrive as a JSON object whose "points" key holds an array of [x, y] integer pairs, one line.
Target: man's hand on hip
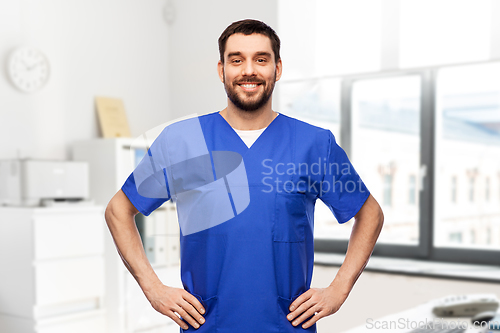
{"points": [[169, 301], [316, 302]]}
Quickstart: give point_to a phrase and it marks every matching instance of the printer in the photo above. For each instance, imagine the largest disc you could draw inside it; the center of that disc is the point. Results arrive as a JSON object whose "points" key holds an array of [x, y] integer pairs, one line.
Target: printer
{"points": [[25, 182]]}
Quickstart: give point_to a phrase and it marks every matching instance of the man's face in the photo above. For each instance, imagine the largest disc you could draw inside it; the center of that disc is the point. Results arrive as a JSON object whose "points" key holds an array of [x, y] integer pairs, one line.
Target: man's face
{"points": [[249, 71]]}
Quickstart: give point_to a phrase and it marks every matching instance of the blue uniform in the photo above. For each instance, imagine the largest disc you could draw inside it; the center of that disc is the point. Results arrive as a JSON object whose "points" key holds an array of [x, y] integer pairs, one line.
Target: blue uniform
{"points": [[248, 267]]}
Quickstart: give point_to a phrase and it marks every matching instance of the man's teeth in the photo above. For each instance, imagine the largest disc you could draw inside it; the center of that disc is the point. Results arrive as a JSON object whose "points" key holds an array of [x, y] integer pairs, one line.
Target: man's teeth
{"points": [[252, 85]]}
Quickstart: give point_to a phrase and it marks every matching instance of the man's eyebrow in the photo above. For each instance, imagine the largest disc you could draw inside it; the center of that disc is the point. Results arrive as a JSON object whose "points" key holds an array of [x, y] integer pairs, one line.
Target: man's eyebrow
{"points": [[238, 53], [233, 54], [267, 54]]}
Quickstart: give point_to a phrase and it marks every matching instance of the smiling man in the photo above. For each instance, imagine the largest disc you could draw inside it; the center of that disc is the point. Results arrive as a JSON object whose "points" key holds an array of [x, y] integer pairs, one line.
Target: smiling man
{"points": [[249, 85], [252, 271]]}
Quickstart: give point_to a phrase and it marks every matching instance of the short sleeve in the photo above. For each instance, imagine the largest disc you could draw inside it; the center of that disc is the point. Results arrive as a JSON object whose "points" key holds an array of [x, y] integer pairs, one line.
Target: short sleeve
{"points": [[147, 186], [342, 190], [143, 204], [175, 163]]}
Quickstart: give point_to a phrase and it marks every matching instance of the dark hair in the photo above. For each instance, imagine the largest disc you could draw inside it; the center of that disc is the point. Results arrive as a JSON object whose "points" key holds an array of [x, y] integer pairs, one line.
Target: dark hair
{"points": [[248, 27]]}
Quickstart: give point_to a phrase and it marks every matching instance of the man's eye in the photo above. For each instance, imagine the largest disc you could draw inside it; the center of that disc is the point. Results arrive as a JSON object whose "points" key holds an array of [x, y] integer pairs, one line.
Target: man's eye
{"points": [[236, 61], [261, 60]]}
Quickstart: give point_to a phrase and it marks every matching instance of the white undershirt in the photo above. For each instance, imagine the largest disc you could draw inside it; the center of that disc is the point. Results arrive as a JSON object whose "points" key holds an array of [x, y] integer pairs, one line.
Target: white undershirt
{"points": [[249, 136]]}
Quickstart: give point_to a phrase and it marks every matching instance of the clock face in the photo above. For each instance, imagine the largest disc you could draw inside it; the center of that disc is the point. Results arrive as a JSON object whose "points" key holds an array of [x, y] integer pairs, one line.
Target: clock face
{"points": [[28, 69]]}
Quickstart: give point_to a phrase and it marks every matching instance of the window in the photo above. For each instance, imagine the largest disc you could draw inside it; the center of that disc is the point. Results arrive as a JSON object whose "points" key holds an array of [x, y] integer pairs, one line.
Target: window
{"points": [[472, 182], [454, 189], [487, 189], [455, 237], [473, 236], [316, 101], [412, 189], [386, 130], [467, 144], [386, 148], [387, 190]]}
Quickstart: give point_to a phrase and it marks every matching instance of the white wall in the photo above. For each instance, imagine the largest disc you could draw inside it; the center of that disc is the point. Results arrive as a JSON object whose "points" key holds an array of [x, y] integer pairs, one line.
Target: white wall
{"points": [[116, 48], [194, 84]]}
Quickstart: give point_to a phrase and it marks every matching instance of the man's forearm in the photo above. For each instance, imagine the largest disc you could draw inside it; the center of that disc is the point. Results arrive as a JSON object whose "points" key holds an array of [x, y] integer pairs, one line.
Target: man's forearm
{"points": [[172, 302], [317, 303], [367, 226], [120, 220]]}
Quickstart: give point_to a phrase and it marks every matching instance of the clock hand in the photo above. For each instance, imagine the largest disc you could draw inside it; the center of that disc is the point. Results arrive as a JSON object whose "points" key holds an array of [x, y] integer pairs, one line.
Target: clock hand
{"points": [[35, 65]]}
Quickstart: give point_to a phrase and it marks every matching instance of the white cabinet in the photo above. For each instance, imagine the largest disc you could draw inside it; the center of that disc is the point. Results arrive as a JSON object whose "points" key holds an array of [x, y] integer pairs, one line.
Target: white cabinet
{"points": [[110, 163], [52, 269]]}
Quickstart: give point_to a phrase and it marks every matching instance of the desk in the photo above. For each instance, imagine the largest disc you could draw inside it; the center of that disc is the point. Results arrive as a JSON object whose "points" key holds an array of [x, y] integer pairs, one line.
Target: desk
{"points": [[411, 319]]}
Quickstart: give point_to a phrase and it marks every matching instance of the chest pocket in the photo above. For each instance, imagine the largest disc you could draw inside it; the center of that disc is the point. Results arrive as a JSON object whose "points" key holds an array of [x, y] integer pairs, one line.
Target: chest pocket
{"points": [[290, 217]]}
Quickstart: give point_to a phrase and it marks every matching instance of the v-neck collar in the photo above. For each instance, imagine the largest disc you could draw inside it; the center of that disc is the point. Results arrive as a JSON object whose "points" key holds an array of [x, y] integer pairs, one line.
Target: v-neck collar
{"points": [[242, 145]]}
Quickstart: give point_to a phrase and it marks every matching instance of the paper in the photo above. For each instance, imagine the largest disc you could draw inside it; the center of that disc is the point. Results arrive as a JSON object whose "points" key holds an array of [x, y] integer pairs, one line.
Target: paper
{"points": [[112, 117]]}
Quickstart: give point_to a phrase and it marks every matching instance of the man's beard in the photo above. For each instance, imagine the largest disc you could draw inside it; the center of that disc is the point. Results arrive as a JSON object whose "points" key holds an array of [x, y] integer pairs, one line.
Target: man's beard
{"points": [[251, 104]]}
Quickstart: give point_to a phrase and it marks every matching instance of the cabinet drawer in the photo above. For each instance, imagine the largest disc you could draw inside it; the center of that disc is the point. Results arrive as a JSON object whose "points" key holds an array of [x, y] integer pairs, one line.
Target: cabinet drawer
{"points": [[93, 323], [68, 280], [171, 328], [68, 234]]}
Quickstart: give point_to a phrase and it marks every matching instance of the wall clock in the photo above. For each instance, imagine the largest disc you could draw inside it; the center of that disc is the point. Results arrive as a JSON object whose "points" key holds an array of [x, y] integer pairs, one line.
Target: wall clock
{"points": [[28, 69]]}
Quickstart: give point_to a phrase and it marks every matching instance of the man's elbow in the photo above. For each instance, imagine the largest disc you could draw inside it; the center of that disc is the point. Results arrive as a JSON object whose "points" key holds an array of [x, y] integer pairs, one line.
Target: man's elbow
{"points": [[372, 212], [379, 218], [110, 212], [117, 207]]}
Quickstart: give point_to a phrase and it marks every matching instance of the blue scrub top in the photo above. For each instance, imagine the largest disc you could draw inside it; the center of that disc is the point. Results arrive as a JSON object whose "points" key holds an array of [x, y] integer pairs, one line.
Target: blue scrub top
{"points": [[247, 270]]}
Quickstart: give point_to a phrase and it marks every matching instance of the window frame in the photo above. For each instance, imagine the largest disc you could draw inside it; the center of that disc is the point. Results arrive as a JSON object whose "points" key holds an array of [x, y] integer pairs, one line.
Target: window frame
{"points": [[425, 248]]}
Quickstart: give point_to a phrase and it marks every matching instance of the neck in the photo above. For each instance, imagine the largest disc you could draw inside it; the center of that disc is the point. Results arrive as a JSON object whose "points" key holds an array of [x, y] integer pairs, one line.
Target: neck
{"points": [[248, 120]]}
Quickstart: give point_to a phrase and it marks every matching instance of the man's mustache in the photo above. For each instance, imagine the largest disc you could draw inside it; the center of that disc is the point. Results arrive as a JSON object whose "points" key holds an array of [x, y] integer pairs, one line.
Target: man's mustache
{"points": [[250, 81]]}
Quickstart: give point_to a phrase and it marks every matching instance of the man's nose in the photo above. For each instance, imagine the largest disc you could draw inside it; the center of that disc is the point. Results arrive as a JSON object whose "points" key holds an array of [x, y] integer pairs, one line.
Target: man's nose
{"points": [[249, 68]]}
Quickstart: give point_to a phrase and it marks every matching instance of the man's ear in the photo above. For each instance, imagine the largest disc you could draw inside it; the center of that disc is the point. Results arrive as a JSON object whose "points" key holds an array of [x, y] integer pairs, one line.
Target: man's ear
{"points": [[220, 71], [279, 68]]}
